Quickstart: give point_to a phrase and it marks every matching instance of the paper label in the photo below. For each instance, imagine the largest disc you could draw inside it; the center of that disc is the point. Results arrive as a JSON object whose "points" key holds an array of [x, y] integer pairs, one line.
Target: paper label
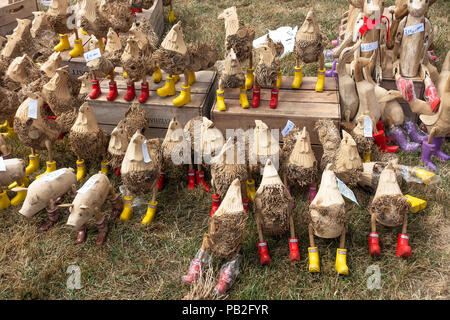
{"points": [[367, 47], [88, 185], [32, 108], [52, 175], [289, 126], [407, 31], [2, 164], [345, 191], [145, 153], [368, 127], [93, 54], [46, 3]]}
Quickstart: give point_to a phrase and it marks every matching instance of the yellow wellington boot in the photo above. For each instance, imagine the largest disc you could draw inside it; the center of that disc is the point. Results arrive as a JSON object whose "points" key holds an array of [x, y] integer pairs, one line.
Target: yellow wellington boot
{"points": [[183, 98], [157, 75], [4, 200], [191, 78], [251, 190], [83, 32], [101, 45], [151, 209], [172, 17], [104, 167], [279, 78], [10, 132], [51, 166], [341, 261], [33, 164], [20, 196], [249, 79], [176, 78], [78, 49], [63, 43], [298, 78], [366, 156], [125, 75], [4, 125], [320, 80], [168, 89], [25, 183], [314, 265], [221, 100], [81, 169], [243, 99], [127, 208]]}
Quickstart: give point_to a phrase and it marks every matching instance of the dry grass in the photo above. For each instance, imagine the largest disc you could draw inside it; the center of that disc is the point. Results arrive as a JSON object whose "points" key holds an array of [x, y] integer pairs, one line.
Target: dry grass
{"points": [[147, 262]]}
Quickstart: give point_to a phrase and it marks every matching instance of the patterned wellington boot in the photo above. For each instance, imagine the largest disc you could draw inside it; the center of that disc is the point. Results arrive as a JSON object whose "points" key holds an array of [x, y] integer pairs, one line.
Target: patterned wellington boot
{"points": [[400, 138], [414, 132]]}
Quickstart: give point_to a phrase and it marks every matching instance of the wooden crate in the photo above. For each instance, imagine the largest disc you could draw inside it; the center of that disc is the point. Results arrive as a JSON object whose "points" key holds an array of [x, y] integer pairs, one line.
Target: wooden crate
{"points": [[160, 110], [9, 12], [77, 65], [303, 107]]}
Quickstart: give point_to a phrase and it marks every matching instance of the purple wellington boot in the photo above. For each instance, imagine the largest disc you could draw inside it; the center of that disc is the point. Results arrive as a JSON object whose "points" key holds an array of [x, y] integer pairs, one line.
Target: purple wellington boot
{"points": [[427, 152], [437, 142], [400, 138], [414, 132]]}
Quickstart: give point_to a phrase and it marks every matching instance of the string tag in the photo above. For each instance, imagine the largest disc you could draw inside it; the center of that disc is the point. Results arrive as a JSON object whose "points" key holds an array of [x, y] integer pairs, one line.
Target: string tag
{"points": [[345, 191], [289, 126], [368, 127], [92, 55], [147, 158], [32, 109]]}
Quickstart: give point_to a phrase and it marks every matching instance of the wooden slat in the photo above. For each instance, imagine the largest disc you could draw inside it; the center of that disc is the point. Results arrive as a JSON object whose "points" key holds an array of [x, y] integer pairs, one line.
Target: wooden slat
{"points": [[18, 10]]}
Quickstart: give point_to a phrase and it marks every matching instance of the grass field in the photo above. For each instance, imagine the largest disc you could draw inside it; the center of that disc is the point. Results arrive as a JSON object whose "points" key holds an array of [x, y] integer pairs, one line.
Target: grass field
{"points": [[147, 262]]}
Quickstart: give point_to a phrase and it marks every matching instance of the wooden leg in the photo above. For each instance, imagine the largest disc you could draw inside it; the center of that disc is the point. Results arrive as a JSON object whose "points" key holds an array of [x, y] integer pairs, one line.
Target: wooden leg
{"points": [[431, 135], [405, 223], [250, 61], [98, 214], [243, 190], [321, 61], [297, 62], [48, 145], [258, 227], [311, 235], [186, 79], [342, 242], [76, 33], [199, 167], [291, 225], [374, 223]]}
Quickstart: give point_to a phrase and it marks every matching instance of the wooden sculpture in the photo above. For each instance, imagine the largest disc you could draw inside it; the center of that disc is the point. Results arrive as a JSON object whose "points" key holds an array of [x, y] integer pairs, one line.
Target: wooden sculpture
{"points": [[328, 219], [347, 163], [140, 170], [14, 173], [87, 140], [137, 59], [176, 57], [364, 144], [347, 88], [24, 71], [239, 36], [390, 208], [9, 102], [268, 71], [5, 148], [223, 239], [226, 167], [93, 20], [273, 213], [119, 13], [46, 192], [309, 45], [231, 75], [36, 131], [136, 119], [87, 204], [113, 52], [347, 27], [370, 175], [301, 166], [330, 139]]}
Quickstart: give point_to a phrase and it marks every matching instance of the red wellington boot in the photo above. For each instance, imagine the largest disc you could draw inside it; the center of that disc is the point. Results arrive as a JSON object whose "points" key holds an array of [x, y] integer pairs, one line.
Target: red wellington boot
{"points": [[191, 179], [256, 96], [293, 248], [406, 88], [274, 99], [374, 245], [403, 249], [131, 92], [312, 191], [380, 140], [117, 172], [245, 204], [112, 95], [200, 180], [215, 204], [431, 96], [161, 180], [95, 91], [144, 93], [263, 251]]}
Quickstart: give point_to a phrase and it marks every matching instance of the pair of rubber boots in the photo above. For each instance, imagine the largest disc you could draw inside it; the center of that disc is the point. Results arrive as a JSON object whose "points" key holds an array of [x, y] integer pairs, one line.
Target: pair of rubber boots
{"points": [[243, 99], [9, 130], [197, 178], [169, 90], [102, 227], [298, 79], [64, 44], [403, 249], [340, 264], [127, 211], [263, 251], [81, 168]]}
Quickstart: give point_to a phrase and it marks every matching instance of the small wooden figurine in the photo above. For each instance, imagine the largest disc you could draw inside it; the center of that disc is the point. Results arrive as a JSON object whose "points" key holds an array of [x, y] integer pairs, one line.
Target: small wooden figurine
{"points": [[14, 172]]}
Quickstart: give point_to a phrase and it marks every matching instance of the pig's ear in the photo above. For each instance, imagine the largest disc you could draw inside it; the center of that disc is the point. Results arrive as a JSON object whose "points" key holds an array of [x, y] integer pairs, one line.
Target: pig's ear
{"points": [[18, 189], [65, 205], [84, 207]]}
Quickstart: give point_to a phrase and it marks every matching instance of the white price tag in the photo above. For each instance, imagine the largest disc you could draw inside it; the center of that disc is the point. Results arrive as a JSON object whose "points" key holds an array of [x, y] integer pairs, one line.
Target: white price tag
{"points": [[46, 3], [345, 191], [93, 54], [289, 126], [407, 31], [367, 47], [2, 164], [32, 108], [368, 127], [88, 185], [145, 153], [52, 175]]}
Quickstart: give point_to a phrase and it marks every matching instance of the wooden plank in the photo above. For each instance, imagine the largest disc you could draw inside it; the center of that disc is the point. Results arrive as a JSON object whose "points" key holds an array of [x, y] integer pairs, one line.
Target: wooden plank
{"points": [[18, 10]]}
